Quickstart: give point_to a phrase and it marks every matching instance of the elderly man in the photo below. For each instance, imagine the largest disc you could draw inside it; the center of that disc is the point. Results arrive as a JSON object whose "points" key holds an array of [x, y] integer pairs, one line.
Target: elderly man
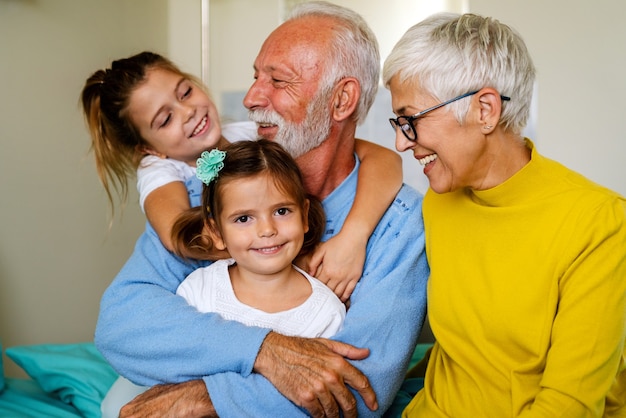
{"points": [[315, 79]]}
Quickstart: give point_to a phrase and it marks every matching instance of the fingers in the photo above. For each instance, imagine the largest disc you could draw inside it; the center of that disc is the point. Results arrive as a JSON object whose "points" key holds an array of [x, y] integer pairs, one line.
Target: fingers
{"points": [[345, 350], [340, 282], [347, 291], [313, 405], [361, 384], [334, 395], [327, 395], [315, 261], [350, 376], [320, 274], [328, 403], [313, 373], [339, 397]]}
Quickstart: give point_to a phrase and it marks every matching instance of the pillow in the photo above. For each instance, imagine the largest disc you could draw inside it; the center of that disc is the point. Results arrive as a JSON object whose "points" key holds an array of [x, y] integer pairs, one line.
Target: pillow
{"points": [[75, 373]]}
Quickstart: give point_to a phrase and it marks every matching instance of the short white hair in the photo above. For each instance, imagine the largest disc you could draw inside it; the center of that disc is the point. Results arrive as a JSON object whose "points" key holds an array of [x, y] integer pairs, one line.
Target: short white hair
{"points": [[450, 54], [354, 53]]}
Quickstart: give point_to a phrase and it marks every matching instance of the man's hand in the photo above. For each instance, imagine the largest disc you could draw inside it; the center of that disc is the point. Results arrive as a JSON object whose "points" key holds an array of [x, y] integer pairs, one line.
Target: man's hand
{"points": [[189, 399], [313, 373]]}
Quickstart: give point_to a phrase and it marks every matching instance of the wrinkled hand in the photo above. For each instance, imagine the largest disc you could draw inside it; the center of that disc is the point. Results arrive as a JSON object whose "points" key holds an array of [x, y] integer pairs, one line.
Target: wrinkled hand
{"points": [[189, 399], [313, 374], [338, 266]]}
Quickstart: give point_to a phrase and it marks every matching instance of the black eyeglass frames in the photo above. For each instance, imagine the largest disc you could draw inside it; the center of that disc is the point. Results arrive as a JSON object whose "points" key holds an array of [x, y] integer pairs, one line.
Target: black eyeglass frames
{"points": [[407, 123]]}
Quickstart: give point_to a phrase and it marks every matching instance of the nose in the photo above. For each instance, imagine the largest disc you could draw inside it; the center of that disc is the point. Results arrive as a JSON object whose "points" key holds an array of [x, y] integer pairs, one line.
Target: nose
{"points": [[191, 111], [402, 142], [255, 97], [187, 111], [266, 228]]}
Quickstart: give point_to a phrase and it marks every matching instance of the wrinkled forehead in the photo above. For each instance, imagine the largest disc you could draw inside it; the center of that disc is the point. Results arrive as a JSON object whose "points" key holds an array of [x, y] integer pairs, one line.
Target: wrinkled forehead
{"points": [[297, 51], [304, 38]]}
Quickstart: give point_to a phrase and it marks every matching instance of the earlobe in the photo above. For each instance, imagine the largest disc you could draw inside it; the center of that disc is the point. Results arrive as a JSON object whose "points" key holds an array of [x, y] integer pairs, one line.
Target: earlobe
{"points": [[210, 229], [490, 108], [345, 98], [220, 244]]}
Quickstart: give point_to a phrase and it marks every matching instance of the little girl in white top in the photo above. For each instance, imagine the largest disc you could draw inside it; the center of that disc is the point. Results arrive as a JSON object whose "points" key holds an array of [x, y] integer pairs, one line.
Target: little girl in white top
{"points": [[254, 206]]}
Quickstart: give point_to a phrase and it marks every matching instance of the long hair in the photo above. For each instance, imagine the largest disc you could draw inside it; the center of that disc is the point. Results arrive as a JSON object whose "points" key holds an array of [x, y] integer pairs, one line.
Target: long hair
{"points": [[115, 141], [247, 159]]}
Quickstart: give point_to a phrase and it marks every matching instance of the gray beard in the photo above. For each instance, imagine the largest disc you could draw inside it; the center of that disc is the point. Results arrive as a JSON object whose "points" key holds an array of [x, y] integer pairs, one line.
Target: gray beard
{"points": [[299, 138]]}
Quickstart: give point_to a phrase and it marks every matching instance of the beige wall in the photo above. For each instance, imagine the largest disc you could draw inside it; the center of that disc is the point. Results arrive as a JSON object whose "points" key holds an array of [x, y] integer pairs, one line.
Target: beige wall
{"points": [[56, 253], [579, 49]]}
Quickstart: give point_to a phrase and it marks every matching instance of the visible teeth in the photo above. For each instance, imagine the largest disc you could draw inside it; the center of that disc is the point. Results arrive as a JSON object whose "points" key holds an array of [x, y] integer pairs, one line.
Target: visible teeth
{"points": [[200, 126], [269, 250], [428, 159]]}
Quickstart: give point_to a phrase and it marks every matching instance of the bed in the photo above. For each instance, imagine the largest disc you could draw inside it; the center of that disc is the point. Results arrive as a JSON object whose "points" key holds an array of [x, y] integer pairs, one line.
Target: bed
{"points": [[65, 380], [70, 380]]}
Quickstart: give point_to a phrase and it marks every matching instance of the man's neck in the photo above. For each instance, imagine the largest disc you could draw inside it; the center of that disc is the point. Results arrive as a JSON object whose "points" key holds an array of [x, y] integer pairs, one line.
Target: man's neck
{"points": [[327, 166]]}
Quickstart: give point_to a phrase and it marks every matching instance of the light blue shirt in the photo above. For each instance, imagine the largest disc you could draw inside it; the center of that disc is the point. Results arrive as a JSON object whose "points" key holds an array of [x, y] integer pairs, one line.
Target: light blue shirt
{"points": [[150, 335]]}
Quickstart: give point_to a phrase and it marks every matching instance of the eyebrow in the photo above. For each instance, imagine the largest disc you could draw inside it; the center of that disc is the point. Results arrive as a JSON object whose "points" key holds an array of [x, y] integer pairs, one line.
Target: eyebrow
{"points": [[400, 111], [252, 211], [181, 81]]}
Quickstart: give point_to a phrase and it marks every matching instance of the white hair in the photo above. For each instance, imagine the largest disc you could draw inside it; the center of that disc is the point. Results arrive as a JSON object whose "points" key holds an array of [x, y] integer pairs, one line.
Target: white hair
{"points": [[450, 54]]}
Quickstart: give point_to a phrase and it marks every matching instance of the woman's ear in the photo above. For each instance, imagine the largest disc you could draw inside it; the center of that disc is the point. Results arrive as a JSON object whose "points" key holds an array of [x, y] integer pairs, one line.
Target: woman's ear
{"points": [[345, 98], [490, 108], [145, 149]]}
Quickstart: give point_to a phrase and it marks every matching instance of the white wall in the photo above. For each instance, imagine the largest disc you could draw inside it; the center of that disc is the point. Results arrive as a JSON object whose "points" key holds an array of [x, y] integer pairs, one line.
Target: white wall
{"points": [[579, 49], [184, 34], [236, 31]]}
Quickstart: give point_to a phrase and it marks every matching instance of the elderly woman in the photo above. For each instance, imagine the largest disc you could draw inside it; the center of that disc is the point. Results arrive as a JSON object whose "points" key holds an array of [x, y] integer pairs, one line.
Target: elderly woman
{"points": [[527, 293]]}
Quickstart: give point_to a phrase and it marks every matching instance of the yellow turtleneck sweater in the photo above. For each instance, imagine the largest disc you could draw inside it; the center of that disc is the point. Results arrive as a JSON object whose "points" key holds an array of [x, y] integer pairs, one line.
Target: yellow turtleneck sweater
{"points": [[526, 299]]}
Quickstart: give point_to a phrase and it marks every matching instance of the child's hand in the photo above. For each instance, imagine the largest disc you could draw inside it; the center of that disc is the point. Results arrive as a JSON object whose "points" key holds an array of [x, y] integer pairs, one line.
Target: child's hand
{"points": [[339, 265]]}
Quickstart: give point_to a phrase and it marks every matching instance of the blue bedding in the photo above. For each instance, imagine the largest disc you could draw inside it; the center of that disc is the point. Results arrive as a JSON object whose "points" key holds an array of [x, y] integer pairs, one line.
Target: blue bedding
{"points": [[66, 380], [71, 380], [23, 398]]}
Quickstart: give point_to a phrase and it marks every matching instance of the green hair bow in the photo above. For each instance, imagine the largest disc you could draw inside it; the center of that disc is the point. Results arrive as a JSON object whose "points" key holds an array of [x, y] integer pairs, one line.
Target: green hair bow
{"points": [[209, 165]]}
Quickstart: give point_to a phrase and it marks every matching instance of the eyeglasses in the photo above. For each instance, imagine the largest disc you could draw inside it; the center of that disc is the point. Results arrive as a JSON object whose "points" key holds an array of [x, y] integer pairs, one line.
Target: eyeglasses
{"points": [[407, 125]]}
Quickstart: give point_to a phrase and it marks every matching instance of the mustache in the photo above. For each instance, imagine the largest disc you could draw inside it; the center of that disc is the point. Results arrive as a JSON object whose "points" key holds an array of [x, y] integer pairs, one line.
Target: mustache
{"points": [[266, 117]]}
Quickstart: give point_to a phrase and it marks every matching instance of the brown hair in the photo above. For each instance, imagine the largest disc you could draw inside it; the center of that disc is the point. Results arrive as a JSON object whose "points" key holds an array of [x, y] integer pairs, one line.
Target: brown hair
{"points": [[247, 159], [115, 141]]}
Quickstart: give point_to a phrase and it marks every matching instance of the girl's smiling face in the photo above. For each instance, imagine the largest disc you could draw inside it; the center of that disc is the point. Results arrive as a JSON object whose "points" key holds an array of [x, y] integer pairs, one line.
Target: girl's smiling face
{"points": [[174, 116], [261, 226]]}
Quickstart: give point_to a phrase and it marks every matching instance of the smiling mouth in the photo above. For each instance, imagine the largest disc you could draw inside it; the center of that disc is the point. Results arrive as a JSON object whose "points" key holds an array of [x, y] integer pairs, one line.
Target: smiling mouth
{"points": [[269, 250], [428, 159], [200, 126]]}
